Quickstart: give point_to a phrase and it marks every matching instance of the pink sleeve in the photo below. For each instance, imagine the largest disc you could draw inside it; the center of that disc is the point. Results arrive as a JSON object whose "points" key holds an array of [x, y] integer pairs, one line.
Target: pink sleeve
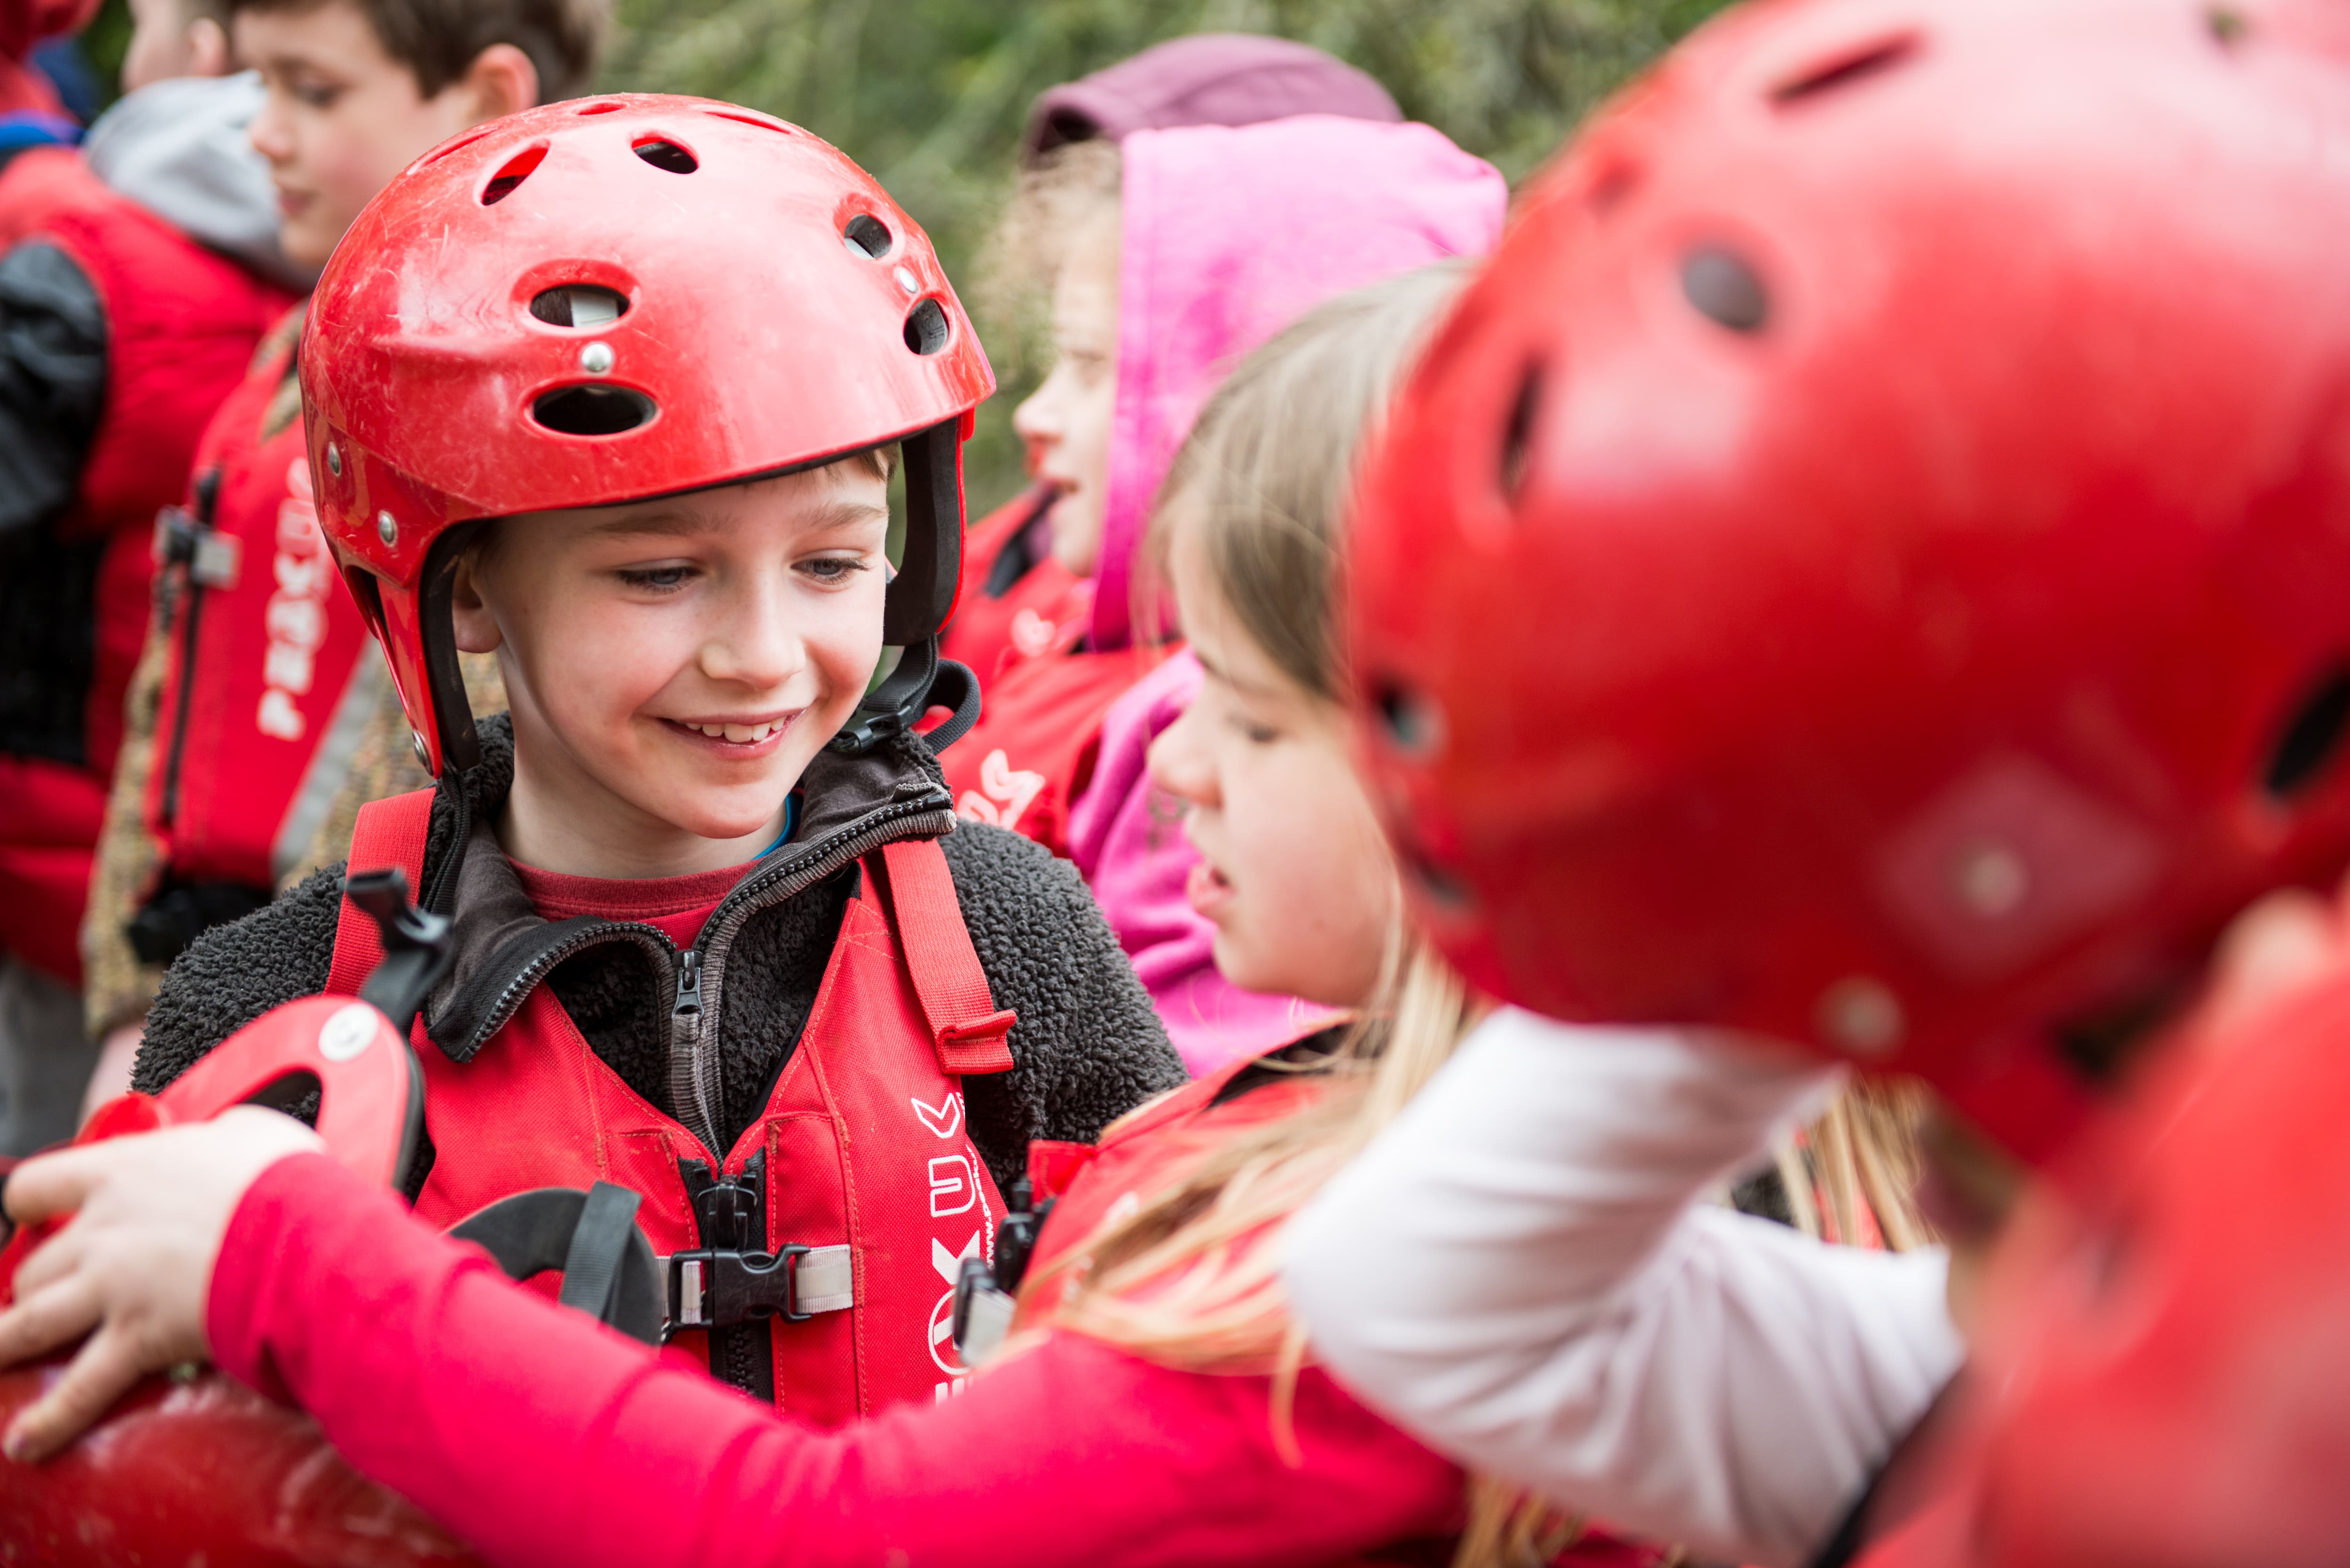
{"points": [[1128, 841], [539, 1436]]}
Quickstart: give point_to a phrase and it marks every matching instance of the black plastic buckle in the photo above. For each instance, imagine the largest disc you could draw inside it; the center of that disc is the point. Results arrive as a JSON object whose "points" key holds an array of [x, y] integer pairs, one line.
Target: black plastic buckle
{"points": [[713, 1289]]}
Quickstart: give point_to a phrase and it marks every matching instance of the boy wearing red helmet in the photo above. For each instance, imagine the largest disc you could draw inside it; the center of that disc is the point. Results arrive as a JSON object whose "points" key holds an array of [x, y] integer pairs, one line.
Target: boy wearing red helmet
{"points": [[719, 940], [1886, 601]]}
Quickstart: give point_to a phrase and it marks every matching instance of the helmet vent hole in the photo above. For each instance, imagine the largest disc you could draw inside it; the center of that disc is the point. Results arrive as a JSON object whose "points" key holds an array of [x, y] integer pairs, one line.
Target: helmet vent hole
{"points": [[867, 236], [1413, 725], [2314, 737], [1725, 290], [2227, 25], [666, 156], [926, 327], [1843, 70], [1519, 438], [579, 304], [591, 411], [605, 107], [517, 169]]}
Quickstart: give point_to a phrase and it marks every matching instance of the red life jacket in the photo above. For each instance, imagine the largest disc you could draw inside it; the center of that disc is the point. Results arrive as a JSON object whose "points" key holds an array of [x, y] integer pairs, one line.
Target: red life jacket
{"points": [[862, 1144], [1045, 611], [271, 680], [182, 323]]}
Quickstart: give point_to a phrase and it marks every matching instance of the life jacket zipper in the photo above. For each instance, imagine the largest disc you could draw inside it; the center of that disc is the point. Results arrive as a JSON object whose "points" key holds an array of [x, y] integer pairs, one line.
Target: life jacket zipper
{"points": [[689, 1093]]}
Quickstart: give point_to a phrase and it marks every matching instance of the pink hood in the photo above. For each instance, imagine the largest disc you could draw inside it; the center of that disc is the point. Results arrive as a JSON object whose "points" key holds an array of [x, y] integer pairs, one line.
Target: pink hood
{"points": [[1231, 233]]}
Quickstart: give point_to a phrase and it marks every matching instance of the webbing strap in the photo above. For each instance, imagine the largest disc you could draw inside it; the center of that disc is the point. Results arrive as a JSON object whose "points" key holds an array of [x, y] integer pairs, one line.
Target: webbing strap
{"points": [[389, 833], [966, 1026]]}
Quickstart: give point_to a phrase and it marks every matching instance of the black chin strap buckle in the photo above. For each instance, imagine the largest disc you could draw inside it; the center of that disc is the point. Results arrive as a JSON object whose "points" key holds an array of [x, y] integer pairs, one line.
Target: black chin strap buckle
{"points": [[415, 944], [922, 681]]}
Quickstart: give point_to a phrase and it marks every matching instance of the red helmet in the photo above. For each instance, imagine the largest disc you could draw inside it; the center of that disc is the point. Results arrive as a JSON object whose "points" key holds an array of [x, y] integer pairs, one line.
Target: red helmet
{"points": [[612, 298], [1868, 563]]}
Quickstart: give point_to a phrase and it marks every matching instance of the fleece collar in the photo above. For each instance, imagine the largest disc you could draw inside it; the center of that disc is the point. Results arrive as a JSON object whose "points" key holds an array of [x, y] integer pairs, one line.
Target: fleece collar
{"points": [[849, 807]]}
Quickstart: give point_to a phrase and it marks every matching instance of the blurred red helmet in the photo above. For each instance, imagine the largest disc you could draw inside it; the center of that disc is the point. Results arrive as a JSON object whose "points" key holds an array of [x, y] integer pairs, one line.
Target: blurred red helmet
{"points": [[2162, 1374], [613, 298], [1868, 563]]}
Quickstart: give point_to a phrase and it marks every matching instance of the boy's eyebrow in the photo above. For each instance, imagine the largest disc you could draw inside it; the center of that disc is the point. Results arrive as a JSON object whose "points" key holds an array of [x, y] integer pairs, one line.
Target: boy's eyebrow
{"points": [[1229, 679], [678, 523]]}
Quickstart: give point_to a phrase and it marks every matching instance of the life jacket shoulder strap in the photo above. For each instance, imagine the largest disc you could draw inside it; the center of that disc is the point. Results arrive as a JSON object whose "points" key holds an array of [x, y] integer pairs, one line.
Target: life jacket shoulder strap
{"points": [[966, 1026], [389, 833]]}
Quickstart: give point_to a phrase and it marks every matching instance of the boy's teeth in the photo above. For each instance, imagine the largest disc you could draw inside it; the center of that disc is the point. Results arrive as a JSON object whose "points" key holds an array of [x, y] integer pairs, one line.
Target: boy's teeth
{"points": [[738, 733]]}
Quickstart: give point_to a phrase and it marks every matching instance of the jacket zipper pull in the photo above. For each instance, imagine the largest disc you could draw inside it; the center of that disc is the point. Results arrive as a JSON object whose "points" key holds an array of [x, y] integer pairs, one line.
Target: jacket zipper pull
{"points": [[689, 1095]]}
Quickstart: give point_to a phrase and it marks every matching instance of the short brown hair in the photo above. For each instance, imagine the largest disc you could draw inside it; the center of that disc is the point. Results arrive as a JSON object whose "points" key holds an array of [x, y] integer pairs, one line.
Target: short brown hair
{"points": [[438, 40]]}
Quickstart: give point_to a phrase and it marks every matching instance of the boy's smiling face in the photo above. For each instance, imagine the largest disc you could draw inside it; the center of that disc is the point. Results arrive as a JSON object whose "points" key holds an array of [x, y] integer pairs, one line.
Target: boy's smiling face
{"points": [[672, 666]]}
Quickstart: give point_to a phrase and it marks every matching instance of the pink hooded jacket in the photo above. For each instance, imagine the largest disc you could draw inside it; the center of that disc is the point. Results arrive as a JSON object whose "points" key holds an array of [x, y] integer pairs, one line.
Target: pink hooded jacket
{"points": [[1230, 233]]}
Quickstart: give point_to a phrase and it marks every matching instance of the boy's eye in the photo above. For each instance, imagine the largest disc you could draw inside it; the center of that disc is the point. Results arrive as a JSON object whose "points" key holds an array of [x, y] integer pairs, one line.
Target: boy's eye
{"points": [[657, 577], [834, 568]]}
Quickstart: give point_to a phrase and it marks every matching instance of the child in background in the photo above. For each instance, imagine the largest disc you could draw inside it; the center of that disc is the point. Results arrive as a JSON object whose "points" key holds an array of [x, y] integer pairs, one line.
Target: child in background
{"points": [[1027, 575], [31, 112], [1151, 1410], [261, 680], [139, 273], [1164, 273]]}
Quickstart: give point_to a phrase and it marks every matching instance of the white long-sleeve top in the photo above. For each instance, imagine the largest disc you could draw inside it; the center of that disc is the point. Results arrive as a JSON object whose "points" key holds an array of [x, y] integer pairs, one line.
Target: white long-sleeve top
{"points": [[1522, 1270]]}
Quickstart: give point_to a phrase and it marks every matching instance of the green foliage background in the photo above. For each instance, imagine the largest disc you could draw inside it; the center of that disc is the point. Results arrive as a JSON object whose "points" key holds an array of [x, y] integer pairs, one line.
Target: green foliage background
{"points": [[930, 94]]}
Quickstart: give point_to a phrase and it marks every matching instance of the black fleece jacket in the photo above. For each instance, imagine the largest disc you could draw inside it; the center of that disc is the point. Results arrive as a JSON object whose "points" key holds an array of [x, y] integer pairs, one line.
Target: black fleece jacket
{"points": [[1086, 1047]]}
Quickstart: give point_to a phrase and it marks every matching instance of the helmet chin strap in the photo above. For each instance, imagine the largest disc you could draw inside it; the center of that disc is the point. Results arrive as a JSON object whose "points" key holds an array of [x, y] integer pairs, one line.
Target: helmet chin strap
{"points": [[922, 681]]}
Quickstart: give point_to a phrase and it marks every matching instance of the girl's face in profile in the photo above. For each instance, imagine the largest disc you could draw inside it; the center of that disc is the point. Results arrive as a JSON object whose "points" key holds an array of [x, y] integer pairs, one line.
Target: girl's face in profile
{"points": [[1294, 871]]}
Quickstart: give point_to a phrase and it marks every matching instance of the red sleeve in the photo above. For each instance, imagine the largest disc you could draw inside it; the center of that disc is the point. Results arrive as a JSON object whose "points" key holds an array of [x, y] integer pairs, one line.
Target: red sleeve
{"points": [[539, 1436]]}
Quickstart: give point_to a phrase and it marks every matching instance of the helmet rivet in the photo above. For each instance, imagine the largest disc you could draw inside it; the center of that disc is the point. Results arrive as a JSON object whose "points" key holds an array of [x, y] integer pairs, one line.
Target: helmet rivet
{"points": [[907, 280], [386, 529], [334, 460], [595, 358], [423, 753], [1991, 879], [1861, 1015]]}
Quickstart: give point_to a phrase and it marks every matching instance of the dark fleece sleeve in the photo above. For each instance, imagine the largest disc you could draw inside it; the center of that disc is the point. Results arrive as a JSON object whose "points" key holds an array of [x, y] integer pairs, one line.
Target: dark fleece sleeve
{"points": [[52, 380], [234, 974], [1087, 1045]]}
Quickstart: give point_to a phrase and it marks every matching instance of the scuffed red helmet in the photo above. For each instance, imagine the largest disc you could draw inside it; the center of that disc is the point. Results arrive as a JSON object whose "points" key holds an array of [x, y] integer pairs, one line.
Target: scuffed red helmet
{"points": [[608, 300], [1867, 562]]}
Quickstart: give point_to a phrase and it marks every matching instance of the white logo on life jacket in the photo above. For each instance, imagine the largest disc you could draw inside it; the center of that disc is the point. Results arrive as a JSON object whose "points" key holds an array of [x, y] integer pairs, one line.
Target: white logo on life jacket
{"points": [[1009, 792], [1032, 634], [945, 1120], [296, 617], [954, 1187]]}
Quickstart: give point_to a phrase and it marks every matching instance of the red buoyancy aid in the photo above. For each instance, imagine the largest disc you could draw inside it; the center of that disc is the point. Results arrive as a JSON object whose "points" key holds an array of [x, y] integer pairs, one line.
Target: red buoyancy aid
{"points": [[182, 323], [271, 680], [863, 1140]]}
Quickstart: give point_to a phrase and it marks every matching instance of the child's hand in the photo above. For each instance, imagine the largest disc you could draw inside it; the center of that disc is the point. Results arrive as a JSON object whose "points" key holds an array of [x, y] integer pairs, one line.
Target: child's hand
{"points": [[135, 1265]]}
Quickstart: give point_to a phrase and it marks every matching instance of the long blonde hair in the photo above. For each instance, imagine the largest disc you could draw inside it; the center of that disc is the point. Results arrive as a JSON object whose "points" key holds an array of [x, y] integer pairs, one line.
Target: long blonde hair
{"points": [[1261, 485]]}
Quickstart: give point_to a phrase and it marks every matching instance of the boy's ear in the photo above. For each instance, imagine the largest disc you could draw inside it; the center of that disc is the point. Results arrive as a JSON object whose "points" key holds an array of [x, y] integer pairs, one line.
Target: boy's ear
{"points": [[476, 628], [501, 80]]}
